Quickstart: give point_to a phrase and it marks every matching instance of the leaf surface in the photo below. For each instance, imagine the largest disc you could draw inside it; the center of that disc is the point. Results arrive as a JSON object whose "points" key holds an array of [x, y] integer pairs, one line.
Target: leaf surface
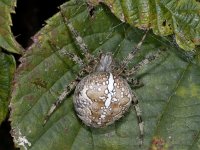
{"points": [[7, 39], [169, 99], [7, 68], [165, 17]]}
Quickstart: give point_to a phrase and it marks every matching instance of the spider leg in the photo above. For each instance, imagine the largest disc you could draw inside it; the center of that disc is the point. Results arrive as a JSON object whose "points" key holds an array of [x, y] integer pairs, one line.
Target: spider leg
{"points": [[60, 99], [139, 118], [79, 40], [63, 51], [131, 55], [67, 90], [134, 82], [144, 62], [73, 56]]}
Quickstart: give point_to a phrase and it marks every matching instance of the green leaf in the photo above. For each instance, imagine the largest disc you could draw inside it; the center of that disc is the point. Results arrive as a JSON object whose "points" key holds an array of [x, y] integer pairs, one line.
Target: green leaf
{"points": [[7, 68], [7, 40], [165, 17], [169, 99]]}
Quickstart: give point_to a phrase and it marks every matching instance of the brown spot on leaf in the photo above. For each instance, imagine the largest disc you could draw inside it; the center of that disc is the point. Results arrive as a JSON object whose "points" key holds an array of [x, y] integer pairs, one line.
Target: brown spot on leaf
{"points": [[196, 40], [158, 144], [29, 97], [40, 83]]}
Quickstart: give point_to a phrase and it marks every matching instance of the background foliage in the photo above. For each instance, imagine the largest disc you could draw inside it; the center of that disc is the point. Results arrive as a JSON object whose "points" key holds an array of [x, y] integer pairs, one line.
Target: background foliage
{"points": [[165, 17], [7, 40]]}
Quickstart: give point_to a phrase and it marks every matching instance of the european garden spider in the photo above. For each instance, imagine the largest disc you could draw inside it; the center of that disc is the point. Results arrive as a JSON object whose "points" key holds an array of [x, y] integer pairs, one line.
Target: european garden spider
{"points": [[102, 92]]}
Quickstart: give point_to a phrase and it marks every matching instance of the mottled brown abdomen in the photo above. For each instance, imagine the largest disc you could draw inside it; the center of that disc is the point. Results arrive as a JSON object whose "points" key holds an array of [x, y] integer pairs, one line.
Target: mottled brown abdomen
{"points": [[101, 98]]}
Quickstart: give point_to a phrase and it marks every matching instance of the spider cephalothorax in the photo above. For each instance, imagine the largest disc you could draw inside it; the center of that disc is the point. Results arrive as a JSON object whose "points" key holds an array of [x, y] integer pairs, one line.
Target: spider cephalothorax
{"points": [[102, 92], [102, 97]]}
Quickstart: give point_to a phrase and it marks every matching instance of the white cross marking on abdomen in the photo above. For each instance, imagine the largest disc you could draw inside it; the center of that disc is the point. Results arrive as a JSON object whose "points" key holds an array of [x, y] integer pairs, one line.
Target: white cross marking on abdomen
{"points": [[110, 90]]}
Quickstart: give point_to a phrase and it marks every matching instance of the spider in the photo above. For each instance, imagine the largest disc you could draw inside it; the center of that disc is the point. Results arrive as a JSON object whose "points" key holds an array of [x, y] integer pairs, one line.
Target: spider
{"points": [[102, 92]]}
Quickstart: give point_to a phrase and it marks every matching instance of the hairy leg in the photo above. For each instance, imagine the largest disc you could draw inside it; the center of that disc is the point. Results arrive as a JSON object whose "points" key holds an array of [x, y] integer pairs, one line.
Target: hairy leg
{"points": [[131, 55], [67, 90], [139, 118], [134, 83], [60, 99], [66, 52], [144, 62], [79, 40]]}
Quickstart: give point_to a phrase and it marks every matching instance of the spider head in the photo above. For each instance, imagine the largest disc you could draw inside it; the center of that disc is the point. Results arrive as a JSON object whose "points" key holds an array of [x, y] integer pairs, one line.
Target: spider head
{"points": [[105, 63]]}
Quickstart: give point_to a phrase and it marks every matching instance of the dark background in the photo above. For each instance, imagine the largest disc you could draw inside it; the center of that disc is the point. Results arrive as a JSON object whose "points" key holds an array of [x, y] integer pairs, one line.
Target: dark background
{"points": [[29, 18]]}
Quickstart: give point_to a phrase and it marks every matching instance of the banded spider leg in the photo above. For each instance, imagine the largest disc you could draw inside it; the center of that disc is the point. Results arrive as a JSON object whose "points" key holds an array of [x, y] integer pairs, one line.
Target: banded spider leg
{"points": [[137, 83], [120, 71], [128, 74], [79, 40], [69, 88], [89, 58]]}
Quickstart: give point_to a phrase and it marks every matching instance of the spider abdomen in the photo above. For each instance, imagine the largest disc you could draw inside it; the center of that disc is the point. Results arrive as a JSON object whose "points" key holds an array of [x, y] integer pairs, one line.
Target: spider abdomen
{"points": [[101, 98]]}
